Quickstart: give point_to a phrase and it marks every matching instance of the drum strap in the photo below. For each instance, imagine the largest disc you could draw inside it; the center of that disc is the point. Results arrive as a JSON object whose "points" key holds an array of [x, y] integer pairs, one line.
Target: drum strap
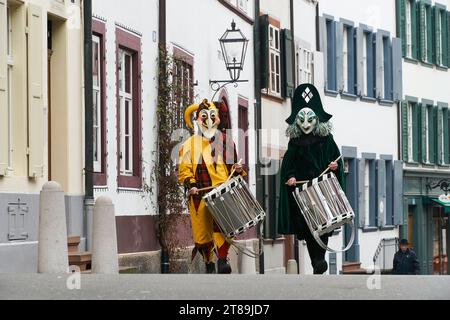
{"points": [[327, 248]]}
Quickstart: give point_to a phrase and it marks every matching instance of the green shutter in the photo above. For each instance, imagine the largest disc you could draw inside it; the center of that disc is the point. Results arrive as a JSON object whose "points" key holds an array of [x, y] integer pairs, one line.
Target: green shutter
{"points": [[440, 132], [436, 45], [405, 146], [422, 32], [401, 24], [446, 135], [414, 29], [429, 35], [448, 39], [432, 118], [423, 131], [444, 39], [264, 50], [417, 134], [288, 63]]}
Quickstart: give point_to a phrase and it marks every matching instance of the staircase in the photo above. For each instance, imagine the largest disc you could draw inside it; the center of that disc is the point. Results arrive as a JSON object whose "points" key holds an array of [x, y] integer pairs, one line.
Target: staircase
{"points": [[76, 258], [353, 268]]}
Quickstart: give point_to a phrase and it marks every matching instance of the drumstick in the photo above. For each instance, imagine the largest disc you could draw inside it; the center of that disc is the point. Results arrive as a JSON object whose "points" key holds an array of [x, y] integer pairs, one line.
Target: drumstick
{"points": [[234, 170], [325, 172], [328, 169]]}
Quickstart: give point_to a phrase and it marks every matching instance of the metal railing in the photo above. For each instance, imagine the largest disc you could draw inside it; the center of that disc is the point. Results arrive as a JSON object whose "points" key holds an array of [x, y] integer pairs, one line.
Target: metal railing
{"points": [[383, 259]]}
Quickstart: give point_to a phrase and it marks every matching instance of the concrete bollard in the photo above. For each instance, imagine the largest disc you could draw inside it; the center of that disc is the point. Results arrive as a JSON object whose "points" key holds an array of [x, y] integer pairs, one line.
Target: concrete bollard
{"points": [[248, 264], [292, 267], [105, 259], [52, 248]]}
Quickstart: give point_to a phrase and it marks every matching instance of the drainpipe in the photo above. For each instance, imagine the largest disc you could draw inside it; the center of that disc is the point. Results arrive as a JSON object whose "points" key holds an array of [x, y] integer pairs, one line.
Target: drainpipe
{"points": [[88, 121], [260, 179], [296, 246], [165, 263]]}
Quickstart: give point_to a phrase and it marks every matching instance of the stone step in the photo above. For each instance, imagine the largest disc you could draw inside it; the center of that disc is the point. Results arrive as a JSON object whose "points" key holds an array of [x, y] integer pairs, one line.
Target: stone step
{"points": [[73, 243], [359, 271], [80, 259], [122, 270], [351, 266]]}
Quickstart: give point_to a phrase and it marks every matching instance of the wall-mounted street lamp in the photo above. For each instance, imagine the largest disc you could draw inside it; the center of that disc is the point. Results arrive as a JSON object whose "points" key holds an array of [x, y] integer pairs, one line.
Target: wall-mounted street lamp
{"points": [[234, 45]]}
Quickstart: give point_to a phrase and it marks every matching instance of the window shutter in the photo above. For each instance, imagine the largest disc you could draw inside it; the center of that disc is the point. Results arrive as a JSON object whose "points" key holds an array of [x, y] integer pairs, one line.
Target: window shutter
{"points": [[288, 63], [379, 66], [405, 146], [361, 198], [422, 31], [381, 193], [371, 66], [446, 133], [359, 61], [429, 35], [401, 24], [417, 133], [397, 66], [264, 50], [414, 29], [339, 56], [444, 39], [3, 90], [35, 94], [323, 47], [398, 193], [436, 57], [440, 132], [352, 86], [388, 74], [432, 133], [423, 130], [448, 38]]}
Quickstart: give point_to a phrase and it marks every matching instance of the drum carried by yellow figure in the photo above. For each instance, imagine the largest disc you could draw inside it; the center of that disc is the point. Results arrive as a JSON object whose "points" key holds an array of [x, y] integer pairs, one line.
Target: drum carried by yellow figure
{"points": [[207, 160]]}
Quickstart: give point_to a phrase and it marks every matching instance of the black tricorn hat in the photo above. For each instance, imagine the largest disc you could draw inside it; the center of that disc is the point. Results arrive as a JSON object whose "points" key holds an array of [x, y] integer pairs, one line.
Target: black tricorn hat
{"points": [[307, 96]]}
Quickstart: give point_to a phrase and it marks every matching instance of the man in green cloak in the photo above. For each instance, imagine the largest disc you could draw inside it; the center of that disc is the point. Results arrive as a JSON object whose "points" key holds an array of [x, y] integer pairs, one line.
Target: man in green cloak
{"points": [[311, 150]]}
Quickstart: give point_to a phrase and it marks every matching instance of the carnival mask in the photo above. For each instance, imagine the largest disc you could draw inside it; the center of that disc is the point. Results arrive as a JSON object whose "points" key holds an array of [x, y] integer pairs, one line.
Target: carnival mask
{"points": [[208, 121], [307, 120]]}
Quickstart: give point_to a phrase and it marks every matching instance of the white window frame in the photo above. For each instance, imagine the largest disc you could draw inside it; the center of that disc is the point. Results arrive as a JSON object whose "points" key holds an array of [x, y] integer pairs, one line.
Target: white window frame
{"points": [[410, 132], [408, 15], [304, 63], [10, 61], [97, 90], [242, 5], [123, 98], [440, 51], [274, 61]]}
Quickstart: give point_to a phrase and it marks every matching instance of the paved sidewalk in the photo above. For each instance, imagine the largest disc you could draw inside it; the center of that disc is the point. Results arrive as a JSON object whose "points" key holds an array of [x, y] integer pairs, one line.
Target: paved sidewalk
{"points": [[234, 287]]}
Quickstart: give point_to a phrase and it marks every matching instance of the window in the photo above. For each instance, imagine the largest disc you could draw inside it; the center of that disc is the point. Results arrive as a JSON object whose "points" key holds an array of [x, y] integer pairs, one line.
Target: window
{"points": [[183, 84], [349, 44], [242, 5], [331, 55], [408, 16], [370, 193], [411, 114], [129, 109], [387, 92], [304, 63], [410, 133], [368, 63], [345, 54], [440, 35], [425, 29], [274, 61], [99, 98], [407, 27]]}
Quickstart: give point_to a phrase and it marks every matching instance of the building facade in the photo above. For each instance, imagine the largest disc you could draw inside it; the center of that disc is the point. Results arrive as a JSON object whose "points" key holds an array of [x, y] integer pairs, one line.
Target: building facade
{"points": [[423, 27], [41, 128]]}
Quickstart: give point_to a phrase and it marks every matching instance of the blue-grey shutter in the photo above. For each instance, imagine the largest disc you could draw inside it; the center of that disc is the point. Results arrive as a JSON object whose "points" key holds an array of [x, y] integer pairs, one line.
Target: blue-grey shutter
{"points": [[397, 86], [352, 86], [398, 193], [379, 65], [371, 72], [323, 46], [339, 56], [389, 193], [359, 60], [361, 194], [381, 193], [387, 50]]}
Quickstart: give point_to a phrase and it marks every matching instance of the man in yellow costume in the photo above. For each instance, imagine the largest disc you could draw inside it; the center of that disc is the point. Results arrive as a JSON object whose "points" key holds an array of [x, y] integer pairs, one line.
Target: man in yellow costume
{"points": [[207, 159]]}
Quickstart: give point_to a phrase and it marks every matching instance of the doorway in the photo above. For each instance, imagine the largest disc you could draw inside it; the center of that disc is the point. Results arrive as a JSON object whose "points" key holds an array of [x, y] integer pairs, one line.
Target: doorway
{"points": [[440, 229]]}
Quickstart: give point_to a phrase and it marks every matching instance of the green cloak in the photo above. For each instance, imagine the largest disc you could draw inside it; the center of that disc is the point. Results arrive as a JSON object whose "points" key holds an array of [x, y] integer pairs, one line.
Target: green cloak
{"points": [[306, 158]]}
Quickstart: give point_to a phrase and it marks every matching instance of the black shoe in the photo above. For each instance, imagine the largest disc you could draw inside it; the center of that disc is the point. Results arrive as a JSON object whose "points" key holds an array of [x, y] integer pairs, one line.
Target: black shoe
{"points": [[210, 268], [320, 267], [223, 266]]}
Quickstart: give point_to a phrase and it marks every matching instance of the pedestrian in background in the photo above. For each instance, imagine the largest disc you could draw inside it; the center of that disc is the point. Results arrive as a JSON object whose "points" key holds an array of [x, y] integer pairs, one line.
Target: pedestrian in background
{"points": [[405, 260]]}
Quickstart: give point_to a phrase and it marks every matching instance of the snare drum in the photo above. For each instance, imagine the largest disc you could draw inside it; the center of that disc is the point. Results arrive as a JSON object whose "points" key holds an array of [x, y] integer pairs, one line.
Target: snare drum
{"points": [[234, 208], [325, 208]]}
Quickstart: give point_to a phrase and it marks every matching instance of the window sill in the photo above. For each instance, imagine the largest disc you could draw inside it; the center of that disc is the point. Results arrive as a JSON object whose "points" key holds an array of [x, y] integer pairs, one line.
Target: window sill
{"points": [[331, 93], [369, 229], [411, 60], [387, 228], [426, 64], [271, 97], [412, 164], [429, 165], [349, 96], [368, 99], [387, 103], [441, 68]]}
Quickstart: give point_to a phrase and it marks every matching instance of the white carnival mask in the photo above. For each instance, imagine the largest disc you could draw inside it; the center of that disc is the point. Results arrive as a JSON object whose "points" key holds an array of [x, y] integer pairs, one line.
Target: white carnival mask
{"points": [[307, 120], [208, 121]]}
